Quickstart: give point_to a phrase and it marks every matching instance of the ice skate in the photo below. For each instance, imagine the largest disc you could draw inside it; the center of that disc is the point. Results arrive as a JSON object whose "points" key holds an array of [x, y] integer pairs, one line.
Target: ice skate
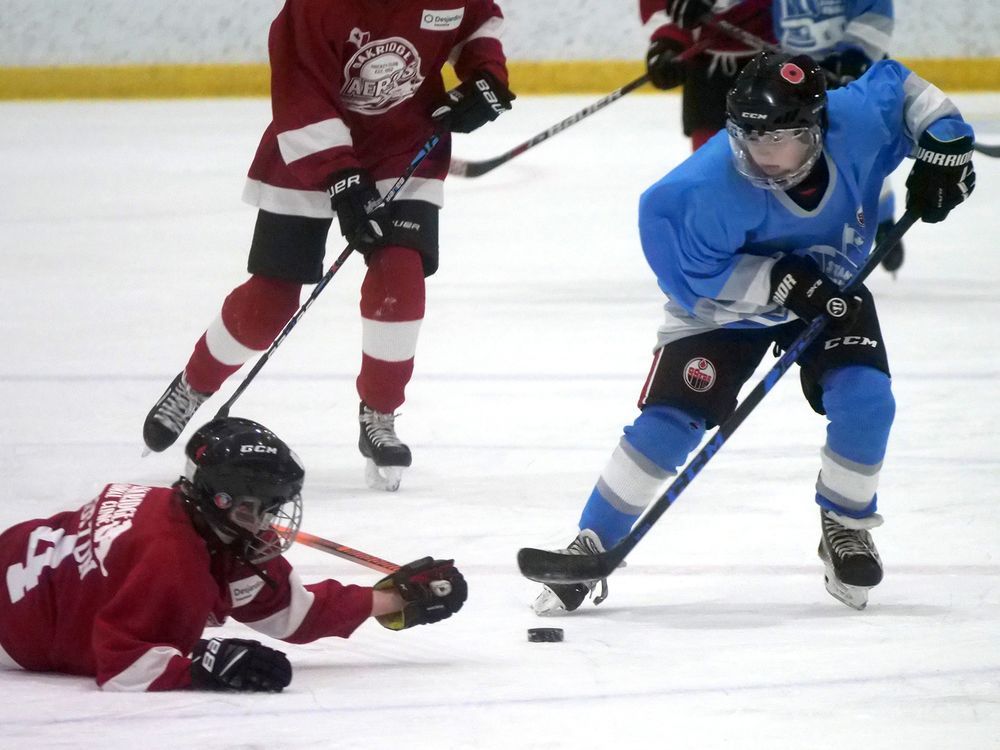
{"points": [[387, 455], [852, 562], [168, 418], [560, 598]]}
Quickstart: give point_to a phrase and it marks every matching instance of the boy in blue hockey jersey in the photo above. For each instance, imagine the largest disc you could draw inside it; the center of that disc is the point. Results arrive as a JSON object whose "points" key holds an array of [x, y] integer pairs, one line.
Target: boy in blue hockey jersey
{"points": [[752, 237]]}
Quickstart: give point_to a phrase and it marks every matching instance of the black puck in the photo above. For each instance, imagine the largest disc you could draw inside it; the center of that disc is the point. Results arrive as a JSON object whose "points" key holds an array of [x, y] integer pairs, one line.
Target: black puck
{"points": [[545, 635]]}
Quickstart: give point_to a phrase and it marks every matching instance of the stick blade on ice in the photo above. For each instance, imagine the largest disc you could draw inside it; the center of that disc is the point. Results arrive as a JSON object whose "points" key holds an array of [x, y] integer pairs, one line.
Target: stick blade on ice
{"points": [[546, 566]]}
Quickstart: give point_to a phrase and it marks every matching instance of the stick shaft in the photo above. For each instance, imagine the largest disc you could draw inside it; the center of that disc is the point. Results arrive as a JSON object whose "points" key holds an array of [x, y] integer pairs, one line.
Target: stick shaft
{"points": [[343, 551]]}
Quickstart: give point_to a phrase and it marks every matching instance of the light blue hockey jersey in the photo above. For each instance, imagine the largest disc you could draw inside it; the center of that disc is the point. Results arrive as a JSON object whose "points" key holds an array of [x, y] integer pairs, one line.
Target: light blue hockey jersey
{"points": [[712, 238], [821, 27]]}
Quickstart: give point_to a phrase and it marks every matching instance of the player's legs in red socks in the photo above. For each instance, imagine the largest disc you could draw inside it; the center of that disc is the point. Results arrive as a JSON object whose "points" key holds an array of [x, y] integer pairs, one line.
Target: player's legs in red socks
{"points": [[392, 309], [252, 317]]}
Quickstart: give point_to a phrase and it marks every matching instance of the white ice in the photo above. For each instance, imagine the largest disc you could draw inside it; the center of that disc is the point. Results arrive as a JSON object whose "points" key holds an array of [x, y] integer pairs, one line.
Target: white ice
{"points": [[121, 229]]}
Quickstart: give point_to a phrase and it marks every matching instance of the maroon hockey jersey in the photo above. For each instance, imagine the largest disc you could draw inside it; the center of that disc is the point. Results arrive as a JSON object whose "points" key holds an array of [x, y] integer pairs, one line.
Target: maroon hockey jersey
{"points": [[122, 589], [751, 15], [353, 84]]}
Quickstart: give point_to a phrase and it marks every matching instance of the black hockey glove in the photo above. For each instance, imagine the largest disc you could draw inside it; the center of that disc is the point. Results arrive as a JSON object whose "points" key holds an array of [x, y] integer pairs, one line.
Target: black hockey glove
{"points": [[238, 664], [664, 69], [798, 284], [473, 103], [941, 178], [688, 13], [846, 66], [354, 197], [432, 589]]}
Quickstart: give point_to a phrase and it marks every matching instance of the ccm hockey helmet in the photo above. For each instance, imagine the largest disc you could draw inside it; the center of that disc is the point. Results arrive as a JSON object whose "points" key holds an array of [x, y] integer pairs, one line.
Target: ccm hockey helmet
{"points": [[247, 485], [776, 117]]}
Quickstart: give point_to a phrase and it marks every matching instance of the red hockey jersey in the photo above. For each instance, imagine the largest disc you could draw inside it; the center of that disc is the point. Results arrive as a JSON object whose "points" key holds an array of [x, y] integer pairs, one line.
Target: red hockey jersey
{"points": [[353, 84], [122, 589], [751, 15]]}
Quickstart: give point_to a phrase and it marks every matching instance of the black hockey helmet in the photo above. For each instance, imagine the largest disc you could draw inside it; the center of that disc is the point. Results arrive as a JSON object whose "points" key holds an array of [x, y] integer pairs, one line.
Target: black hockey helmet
{"points": [[246, 483], [777, 98]]}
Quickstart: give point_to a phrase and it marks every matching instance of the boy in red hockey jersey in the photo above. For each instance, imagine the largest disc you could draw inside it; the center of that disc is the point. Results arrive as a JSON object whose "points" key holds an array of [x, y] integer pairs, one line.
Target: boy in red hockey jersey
{"points": [[356, 90], [122, 588]]}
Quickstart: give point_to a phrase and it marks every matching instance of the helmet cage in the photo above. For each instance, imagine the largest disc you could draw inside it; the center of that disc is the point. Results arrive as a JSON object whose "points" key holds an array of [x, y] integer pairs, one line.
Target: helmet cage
{"points": [[742, 144]]}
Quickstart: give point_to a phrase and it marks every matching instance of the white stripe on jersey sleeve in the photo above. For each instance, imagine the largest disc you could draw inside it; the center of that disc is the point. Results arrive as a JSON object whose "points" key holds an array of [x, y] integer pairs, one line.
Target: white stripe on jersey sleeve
{"points": [[286, 621], [493, 28], [320, 136], [143, 671]]}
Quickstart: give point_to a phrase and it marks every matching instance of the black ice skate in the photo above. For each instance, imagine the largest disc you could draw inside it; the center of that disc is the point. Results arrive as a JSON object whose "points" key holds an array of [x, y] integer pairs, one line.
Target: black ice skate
{"points": [[893, 260], [168, 418], [559, 598], [852, 562], [387, 455]]}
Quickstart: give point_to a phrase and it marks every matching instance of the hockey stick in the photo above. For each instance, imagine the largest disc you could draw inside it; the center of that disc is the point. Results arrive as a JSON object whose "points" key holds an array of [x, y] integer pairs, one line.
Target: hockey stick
{"points": [[386, 199], [462, 168], [982, 148], [439, 587], [341, 550], [559, 567]]}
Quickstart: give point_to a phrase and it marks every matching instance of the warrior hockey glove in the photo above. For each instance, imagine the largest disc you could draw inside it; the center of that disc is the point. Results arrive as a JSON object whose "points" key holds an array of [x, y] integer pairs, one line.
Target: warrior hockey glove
{"points": [[432, 589], [238, 664], [941, 178], [688, 13], [354, 197], [846, 66], [472, 104], [798, 284], [664, 69]]}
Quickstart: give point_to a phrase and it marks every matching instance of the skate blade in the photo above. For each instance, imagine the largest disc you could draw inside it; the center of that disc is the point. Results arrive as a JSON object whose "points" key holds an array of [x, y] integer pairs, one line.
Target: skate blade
{"points": [[855, 597], [548, 604], [384, 478]]}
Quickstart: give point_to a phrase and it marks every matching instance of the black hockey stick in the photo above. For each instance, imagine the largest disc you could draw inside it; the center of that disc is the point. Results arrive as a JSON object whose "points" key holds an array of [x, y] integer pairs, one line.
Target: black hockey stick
{"points": [[982, 148], [386, 199], [462, 168], [559, 567]]}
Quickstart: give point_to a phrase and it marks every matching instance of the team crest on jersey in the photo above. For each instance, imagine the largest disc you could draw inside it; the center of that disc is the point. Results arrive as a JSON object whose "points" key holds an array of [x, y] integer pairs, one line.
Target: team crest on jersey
{"points": [[699, 374], [381, 74]]}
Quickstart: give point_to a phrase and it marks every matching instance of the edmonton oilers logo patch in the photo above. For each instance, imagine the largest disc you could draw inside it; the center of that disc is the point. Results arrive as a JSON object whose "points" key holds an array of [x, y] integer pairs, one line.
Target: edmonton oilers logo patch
{"points": [[699, 374]]}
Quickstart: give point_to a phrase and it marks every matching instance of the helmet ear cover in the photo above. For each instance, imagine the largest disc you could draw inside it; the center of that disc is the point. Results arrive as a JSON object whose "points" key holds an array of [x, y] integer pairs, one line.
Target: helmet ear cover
{"points": [[246, 484]]}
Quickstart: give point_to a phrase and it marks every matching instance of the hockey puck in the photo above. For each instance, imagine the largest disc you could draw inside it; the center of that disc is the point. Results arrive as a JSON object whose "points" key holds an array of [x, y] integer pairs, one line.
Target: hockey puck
{"points": [[545, 635]]}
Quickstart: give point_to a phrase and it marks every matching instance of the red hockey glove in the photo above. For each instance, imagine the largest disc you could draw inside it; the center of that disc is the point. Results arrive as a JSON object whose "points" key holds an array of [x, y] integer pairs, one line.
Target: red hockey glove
{"points": [[798, 284], [941, 178], [238, 664], [664, 69], [432, 589], [472, 104], [354, 197]]}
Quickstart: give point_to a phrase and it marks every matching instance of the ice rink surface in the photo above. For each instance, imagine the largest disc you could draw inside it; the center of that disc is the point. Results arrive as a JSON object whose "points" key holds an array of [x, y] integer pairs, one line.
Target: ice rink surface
{"points": [[121, 229]]}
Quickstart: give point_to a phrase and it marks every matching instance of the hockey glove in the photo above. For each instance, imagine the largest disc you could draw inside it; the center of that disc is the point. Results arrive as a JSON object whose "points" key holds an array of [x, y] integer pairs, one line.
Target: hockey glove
{"points": [[941, 178], [432, 589], [354, 197], [472, 104], [664, 69], [688, 13], [798, 284], [238, 664], [846, 66]]}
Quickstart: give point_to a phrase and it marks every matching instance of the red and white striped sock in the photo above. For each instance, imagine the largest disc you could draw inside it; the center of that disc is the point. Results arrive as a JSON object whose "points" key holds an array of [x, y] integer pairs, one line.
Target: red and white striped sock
{"points": [[392, 309], [252, 316]]}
